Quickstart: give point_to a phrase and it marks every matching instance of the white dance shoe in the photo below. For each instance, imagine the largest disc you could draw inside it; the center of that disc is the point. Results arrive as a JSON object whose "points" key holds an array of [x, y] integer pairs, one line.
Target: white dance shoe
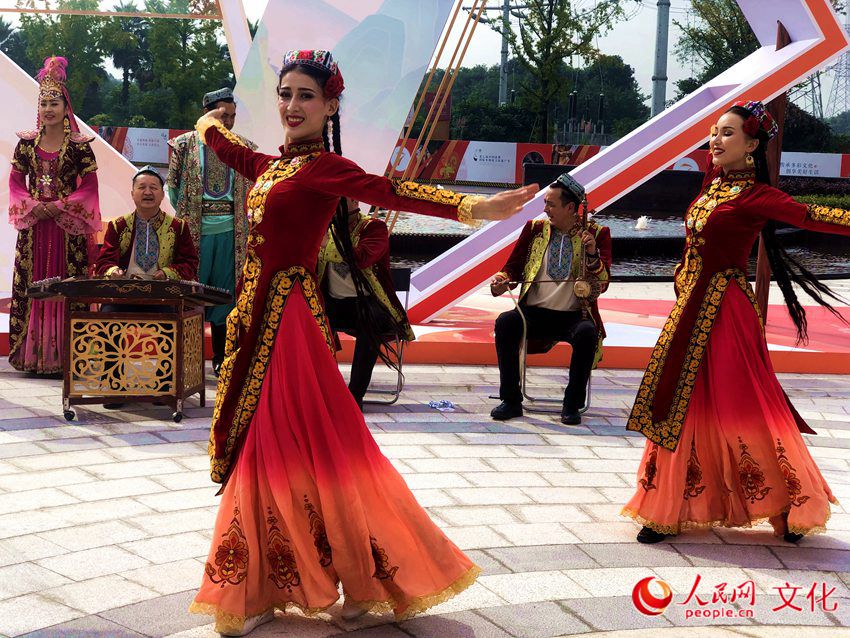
{"points": [[350, 611], [251, 623]]}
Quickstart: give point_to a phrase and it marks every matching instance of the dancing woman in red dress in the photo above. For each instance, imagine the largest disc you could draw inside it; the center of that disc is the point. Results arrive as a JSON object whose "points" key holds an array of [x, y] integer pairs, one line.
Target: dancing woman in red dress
{"points": [[309, 502], [724, 445]]}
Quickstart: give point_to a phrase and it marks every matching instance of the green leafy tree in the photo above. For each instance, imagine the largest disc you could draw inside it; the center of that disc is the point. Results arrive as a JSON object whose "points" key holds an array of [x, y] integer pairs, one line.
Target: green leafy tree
{"points": [[188, 59], [126, 41], [719, 37], [13, 43], [550, 32], [624, 105], [77, 38]]}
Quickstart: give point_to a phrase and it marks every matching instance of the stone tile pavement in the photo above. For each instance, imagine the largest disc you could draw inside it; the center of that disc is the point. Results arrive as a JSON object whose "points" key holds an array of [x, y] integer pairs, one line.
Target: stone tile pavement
{"points": [[105, 522]]}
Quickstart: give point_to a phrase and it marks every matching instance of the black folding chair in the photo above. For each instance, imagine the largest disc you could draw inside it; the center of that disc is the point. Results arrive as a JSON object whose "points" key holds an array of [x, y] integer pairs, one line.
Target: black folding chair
{"points": [[401, 283]]}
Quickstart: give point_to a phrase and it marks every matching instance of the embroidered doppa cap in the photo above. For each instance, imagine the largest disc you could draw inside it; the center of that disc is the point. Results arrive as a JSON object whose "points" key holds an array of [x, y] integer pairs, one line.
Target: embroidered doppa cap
{"points": [[217, 96], [573, 187], [318, 59], [149, 170], [759, 119]]}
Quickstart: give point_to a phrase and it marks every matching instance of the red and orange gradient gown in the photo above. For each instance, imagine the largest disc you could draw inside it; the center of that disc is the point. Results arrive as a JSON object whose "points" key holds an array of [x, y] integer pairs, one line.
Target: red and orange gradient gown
{"points": [[724, 445], [309, 501]]}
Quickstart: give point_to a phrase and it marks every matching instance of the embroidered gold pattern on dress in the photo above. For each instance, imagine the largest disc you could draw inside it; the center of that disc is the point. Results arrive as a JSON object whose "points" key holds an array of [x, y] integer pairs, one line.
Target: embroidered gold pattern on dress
{"points": [[206, 123], [278, 171], [829, 215], [250, 280], [320, 536], [464, 209], [666, 432], [752, 478], [231, 557], [278, 292], [720, 191], [427, 193], [283, 568]]}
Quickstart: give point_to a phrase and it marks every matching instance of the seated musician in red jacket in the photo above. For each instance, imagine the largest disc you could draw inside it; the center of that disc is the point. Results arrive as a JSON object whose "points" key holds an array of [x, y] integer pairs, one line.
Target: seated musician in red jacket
{"points": [[372, 249], [548, 251], [148, 243]]}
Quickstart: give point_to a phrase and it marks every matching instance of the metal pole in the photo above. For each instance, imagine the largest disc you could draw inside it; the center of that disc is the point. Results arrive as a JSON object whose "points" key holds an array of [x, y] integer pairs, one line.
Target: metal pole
{"points": [[659, 77], [503, 69]]}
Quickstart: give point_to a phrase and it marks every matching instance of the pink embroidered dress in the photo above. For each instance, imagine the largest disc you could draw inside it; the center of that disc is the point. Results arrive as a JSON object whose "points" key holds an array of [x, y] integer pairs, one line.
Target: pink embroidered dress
{"points": [[57, 247]]}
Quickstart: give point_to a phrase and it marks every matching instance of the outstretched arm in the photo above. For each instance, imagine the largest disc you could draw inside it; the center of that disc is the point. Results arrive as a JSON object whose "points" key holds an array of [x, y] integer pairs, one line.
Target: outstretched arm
{"points": [[781, 207], [339, 176]]}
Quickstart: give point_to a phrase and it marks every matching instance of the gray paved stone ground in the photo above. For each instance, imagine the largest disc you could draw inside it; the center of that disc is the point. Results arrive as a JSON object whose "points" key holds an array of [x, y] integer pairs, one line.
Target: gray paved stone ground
{"points": [[105, 522]]}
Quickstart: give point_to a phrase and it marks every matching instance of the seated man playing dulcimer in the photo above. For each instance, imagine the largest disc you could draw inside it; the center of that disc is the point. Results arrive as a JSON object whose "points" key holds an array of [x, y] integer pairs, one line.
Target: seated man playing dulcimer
{"points": [[148, 243]]}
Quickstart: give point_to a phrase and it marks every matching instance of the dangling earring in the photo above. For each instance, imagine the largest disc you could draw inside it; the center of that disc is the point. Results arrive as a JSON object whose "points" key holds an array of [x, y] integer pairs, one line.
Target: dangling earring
{"points": [[66, 125], [750, 161]]}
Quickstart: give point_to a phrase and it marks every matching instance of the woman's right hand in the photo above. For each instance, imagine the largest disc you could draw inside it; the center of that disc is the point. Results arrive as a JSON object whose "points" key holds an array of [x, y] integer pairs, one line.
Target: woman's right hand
{"points": [[215, 114], [505, 204]]}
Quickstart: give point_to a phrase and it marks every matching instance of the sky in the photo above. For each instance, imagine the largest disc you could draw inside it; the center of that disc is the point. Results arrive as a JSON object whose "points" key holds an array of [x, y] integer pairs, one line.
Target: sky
{"points": [[628, 39]]}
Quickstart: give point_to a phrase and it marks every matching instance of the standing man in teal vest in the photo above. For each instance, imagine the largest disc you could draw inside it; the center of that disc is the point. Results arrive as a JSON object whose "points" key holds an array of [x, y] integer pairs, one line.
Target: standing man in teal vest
{"points": [[211, 198]]}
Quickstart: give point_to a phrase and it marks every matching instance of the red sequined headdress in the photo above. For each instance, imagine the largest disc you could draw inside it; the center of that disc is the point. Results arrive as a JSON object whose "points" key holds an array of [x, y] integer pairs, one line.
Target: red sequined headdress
{"points": [[318, 59], [759, 119]]}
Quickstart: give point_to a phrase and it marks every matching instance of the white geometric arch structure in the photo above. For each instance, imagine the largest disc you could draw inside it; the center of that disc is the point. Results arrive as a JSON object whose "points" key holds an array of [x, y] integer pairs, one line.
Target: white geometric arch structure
{"points": [[817, 37]]}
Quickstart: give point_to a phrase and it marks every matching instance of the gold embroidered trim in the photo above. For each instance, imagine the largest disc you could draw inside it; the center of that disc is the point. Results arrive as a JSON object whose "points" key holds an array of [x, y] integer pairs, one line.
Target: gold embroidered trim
{"points": [[206, 122], [666, 432], [428, 193], [719, 191], [227, 622], [250, 279], [279, 289], [464, 209], [828, 215], [277, 171], [683, 525]]}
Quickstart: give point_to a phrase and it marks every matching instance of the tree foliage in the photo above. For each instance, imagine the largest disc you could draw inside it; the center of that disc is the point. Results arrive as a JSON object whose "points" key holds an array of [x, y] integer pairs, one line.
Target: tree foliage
{"points": [[477, 115], [720, 37], [164, 66], [549, 33]]}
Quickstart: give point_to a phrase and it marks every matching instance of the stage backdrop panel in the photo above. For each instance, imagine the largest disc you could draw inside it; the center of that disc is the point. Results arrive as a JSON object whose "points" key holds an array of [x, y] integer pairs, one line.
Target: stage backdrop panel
{"points": [[383, 48]]}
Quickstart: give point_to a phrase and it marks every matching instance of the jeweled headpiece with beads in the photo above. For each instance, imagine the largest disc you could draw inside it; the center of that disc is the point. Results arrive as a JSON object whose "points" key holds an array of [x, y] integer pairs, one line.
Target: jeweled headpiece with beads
{"points": [[759, 119], [319, 59], [51, 78]]}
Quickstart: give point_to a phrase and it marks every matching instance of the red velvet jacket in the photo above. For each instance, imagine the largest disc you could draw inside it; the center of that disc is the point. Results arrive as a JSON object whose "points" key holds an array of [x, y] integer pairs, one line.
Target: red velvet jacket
{"points": [[290, 206], [372, 253], [528, 256], [178, 258], [722, 225]]}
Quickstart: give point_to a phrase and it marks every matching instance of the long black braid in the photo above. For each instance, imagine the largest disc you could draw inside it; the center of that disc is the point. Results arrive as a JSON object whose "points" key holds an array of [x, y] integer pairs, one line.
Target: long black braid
{"points": [[787, 270], [369, 314]]}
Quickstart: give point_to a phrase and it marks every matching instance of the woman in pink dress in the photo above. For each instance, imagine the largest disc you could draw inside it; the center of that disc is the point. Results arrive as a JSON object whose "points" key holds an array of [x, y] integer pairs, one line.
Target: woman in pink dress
{"points": [[309, 503], [724, 445], [54, 207]]}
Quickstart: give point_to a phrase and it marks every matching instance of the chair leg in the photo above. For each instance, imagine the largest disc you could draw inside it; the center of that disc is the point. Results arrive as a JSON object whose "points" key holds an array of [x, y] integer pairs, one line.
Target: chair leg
{"points": [[396, 393]]}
